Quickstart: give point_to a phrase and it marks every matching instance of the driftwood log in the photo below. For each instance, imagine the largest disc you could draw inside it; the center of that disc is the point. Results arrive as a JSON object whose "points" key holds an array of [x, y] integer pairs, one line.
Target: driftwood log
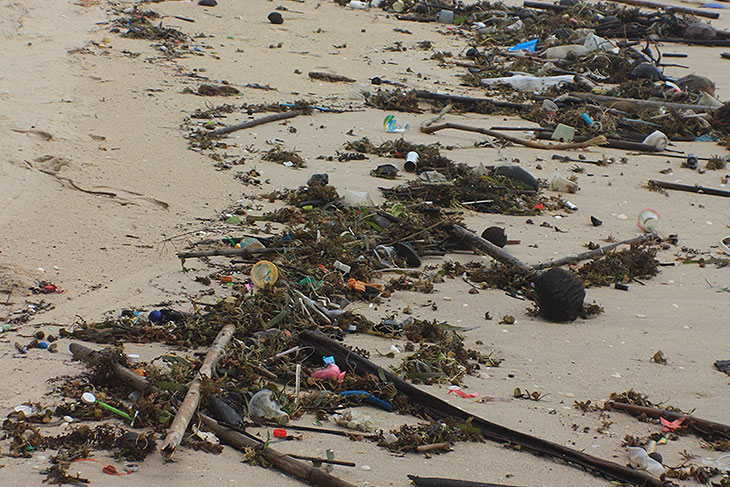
{"points": [[428, 95], [701, 427], [438, 408], [92, 358], [192, 398], [670, 8], [634, 104], [243, 251]]}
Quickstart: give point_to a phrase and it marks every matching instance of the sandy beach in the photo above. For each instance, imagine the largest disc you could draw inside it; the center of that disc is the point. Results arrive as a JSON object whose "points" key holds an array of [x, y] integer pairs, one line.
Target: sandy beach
{"points": [[99, 190]]}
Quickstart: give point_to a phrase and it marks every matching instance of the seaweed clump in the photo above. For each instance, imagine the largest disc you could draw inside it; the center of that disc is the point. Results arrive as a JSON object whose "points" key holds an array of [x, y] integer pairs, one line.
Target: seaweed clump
{"points": [[638, 261]]}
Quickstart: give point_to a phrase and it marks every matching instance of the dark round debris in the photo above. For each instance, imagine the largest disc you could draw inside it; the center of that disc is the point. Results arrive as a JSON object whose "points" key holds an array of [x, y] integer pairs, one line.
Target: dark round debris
{"points": [[208, 3], [472, 52], [376, 81], [275, 18], [518, 174], [646, 71], [596, 222], [656, 456], [322, 179], [496, 235], [559, 294]]}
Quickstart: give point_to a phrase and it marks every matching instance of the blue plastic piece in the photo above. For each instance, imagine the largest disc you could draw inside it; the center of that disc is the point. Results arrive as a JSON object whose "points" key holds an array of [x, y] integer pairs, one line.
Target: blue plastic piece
{"points": [[42, 345], [328, 360], [155, 316], [713, 5], [586, 118], [528, 46], [368, 398]]}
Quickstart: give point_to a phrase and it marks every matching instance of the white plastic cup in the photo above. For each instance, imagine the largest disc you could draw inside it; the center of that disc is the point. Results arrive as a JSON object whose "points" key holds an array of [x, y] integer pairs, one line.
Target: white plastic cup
{"points": [[445, 17], [648, 220], [562, 184], [411, 162], [357, 5]]}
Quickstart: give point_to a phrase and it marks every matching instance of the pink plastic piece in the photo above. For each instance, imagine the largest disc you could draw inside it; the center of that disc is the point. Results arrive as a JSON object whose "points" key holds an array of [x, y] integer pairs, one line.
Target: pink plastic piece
{"points": [[332, 371], [457, 390]]}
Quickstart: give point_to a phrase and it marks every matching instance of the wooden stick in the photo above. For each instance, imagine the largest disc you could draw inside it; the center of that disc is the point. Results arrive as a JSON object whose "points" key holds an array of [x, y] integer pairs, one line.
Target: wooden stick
{"points": [[243, 251], [93, 357], [703, 427], [283, 462], [633, 104], [670, 8], [259, 121], [527, 143], [612, 143], [315, 429], [439, 482], [428, 95], [438, 408], [488, 248], [569, 259], [433, 446], [696, 188], [192, 398]]}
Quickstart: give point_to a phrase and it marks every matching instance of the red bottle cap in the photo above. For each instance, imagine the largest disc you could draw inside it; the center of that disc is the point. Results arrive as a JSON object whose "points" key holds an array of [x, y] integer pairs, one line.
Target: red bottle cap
{"points": [[280, 433]]}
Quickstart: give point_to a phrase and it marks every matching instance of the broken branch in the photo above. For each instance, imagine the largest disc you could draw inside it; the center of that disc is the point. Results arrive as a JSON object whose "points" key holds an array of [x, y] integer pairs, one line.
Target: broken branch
{"points": [[569, 259], [259, 121]]}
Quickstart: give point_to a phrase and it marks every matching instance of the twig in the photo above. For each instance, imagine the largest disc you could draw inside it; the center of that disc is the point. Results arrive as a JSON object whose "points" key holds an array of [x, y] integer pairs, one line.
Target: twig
{"points": [[433, 446], [569, 259], [283, 462], [527, 143], [243, 251], [192, 398], [696, 188], [259, 121], [488, 248], [323, 460], [315, 429]]}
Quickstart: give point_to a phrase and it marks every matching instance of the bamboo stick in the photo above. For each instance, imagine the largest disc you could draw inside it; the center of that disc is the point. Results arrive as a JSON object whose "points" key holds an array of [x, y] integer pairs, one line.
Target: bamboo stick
{"points": [[569, 259], [192, 398], [283, 462], [632, 104], [696, 188], [527, 143], [438, 408], [259, 121], [92, 357]]}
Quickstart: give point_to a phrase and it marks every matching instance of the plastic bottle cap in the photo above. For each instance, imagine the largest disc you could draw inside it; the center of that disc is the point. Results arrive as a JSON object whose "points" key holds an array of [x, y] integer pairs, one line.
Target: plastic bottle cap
{"points": [[279, 433], [264, 273]]}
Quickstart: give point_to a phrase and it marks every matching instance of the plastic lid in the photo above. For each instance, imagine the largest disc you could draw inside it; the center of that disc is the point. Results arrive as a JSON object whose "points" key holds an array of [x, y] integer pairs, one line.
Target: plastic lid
{"points": [[264, 273]]}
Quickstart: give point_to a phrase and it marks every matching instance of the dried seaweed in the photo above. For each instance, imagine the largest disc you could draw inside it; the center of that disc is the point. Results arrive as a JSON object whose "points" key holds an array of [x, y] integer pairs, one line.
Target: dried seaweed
{"points": [[638, 261]]}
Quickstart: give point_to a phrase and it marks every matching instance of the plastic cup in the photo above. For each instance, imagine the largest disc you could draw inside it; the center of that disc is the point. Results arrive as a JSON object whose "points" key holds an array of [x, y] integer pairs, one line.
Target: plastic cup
{"points": [[562, 184], [411, 162], [648, 220], [264, 273]]}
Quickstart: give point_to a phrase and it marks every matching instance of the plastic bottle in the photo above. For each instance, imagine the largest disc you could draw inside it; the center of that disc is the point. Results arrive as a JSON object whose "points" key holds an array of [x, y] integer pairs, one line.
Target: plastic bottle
{"points": [[262, 406]]}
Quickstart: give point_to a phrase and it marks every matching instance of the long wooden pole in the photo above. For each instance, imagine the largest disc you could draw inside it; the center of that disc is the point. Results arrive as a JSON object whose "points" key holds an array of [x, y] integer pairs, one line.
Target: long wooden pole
{"points": [[438, 408], [488, 247], [702, 427], [691, 188], [428, 95], [243, 251], [192, 398], [670, 8], [440, 482], [92, 357], [516, 140], [632, 104], [285, 463]]}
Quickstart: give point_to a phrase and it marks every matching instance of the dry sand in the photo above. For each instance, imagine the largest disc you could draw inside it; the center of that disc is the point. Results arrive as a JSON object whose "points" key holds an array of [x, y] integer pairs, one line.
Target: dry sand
{"points": [[115, 115]]}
